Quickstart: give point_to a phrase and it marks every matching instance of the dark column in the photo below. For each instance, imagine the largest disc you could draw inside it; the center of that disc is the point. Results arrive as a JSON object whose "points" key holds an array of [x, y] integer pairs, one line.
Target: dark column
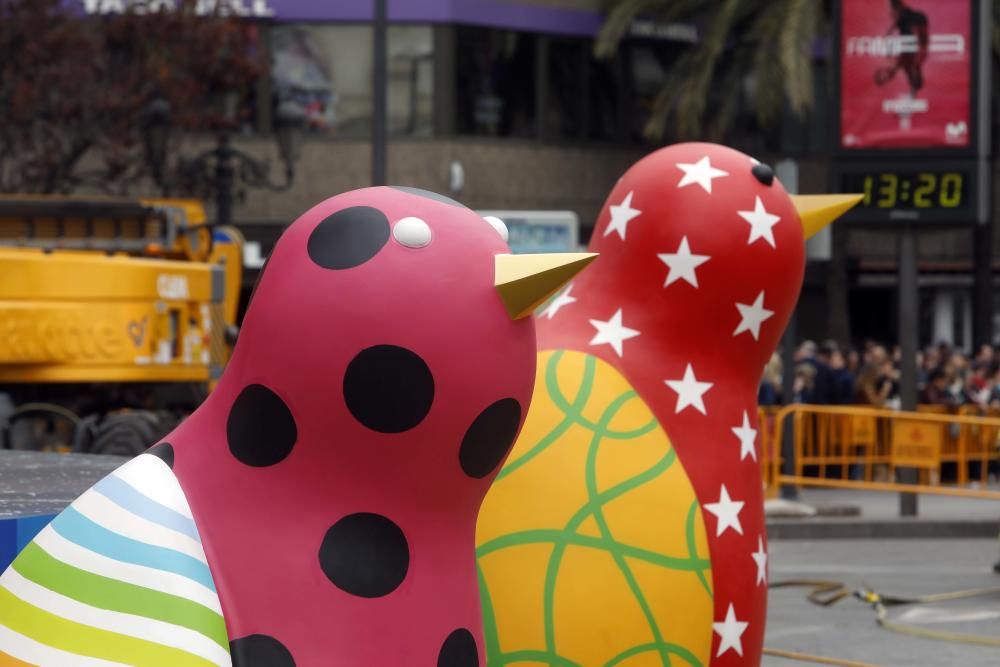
{"points": [[907, 328], [541, 84], [379, 93], [264, 101], [982, 304], [224, 181], [838, 287], [444, 80], [788, 343]]}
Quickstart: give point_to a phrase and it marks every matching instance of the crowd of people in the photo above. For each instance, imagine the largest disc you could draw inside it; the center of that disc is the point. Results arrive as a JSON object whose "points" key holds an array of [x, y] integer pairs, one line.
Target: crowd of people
{"points": [[826, 374]]}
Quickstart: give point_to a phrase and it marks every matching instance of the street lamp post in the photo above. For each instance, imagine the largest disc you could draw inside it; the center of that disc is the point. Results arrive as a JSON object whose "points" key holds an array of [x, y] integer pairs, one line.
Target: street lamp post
{"points": [[223, 168], [379, 94]]}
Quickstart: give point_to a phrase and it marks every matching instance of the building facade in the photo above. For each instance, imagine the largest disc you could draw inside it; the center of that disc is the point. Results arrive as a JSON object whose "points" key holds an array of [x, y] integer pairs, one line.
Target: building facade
{"points": [[502, 104]]}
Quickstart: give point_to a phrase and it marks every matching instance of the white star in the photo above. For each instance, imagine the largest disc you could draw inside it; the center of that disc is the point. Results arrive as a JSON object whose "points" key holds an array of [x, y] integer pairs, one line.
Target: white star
{"points": [[612, 332], [760, 557], [747, 436], [689, 391], [752, 316], [701, 172], [563, 299], [682, 263], [761, 223], [621, 214], [730, 631], [727, 511]]}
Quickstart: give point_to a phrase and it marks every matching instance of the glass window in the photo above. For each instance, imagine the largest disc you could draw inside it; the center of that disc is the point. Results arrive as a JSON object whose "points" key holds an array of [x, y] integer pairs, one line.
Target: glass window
{"points": [[565, 107], [327, 69], [788, 134], [649, 63], [647, 76], [605, 93], [411, 80], [495, 82]]}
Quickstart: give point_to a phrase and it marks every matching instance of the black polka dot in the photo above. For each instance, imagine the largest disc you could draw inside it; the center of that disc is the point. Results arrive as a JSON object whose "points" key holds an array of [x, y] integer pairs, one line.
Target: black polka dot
{"points": [[428, 194], [260, 429], [164, 451], [349, 237], [459, 650], [763, 173], [365, 555], [260, 651], [490, 436], [389, 389]]}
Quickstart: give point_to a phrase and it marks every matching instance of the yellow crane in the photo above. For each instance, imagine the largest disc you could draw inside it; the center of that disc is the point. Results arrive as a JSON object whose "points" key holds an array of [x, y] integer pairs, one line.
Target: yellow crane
{"points": [[116, 316]]}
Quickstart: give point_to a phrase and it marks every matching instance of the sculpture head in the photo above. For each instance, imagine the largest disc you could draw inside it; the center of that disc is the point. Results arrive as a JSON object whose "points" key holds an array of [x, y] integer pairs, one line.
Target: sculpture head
{"points": [[388, 322], [707, 227]]}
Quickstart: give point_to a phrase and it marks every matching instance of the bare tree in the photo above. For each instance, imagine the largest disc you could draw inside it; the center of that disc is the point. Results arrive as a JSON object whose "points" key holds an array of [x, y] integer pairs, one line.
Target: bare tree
{"points": [[74, 88]]}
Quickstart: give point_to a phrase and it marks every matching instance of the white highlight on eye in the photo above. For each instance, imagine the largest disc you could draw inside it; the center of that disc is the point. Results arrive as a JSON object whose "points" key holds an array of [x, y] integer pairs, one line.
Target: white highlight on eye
{"points": [[412, 232], [498, 225]]}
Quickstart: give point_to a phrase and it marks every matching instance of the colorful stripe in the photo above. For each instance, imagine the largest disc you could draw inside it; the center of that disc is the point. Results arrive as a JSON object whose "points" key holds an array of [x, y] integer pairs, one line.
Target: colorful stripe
{"points": [[125, 496], [91, 535], [142, 470], [143, 628], [107, 593], [120, 577], [87, 640], [35, 653], [97, 508], [149, 577], [10, 661]]}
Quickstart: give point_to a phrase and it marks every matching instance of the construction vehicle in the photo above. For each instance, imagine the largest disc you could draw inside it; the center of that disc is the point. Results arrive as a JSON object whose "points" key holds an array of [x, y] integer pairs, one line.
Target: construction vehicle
{"points": [[116, 317]]}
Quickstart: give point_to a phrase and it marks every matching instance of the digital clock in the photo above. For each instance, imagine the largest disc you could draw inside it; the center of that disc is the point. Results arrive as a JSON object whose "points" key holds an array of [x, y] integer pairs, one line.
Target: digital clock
{"points": [[940, 192], [911, 189]]}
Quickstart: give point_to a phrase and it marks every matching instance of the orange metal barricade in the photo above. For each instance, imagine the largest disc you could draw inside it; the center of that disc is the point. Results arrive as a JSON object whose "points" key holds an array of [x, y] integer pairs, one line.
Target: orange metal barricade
{"points": [[862, 447]]}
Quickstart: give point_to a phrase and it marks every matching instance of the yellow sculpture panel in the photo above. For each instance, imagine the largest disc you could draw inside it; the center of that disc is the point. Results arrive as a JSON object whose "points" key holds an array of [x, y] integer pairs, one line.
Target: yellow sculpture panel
{"points": [[572, 571]]}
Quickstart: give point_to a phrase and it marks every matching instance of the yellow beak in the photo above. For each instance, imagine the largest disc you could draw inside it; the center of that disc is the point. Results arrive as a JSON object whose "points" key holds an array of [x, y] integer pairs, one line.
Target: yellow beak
{"points": [[525, 281], [818, 211]]}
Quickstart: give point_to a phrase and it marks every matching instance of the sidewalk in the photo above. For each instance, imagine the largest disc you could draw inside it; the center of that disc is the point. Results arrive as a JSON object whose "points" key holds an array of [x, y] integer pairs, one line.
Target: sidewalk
{"points": [[36, 486], [33, 483], [850, 514]]}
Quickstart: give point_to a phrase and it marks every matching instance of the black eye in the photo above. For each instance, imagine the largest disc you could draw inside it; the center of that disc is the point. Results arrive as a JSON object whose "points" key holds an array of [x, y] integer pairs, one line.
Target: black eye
{"points": [[763, 173]]}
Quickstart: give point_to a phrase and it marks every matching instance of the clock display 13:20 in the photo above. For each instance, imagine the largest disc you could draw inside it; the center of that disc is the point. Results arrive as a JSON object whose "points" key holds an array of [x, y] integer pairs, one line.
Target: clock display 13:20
{"points": [[909, 189]]}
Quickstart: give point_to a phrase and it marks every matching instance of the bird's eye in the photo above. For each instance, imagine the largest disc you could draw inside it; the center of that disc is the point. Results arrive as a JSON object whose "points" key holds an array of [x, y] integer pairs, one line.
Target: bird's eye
{"points": [[763, 173], [412, 232], [498, 225]]}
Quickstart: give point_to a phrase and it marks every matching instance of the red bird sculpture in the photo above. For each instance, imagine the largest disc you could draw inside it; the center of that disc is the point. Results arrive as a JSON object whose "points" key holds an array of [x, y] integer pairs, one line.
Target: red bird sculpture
{"points": [[627, 526]]}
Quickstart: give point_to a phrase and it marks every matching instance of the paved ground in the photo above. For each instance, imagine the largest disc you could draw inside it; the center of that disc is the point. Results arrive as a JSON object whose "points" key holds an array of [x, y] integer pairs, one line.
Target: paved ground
{"points": [[876, 516], [848, 630], [44, 483], [879, 505]]}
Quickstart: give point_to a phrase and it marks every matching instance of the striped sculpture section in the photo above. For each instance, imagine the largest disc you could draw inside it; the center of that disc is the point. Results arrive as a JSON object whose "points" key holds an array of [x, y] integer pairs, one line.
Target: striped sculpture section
{"points": [[119, 577]]}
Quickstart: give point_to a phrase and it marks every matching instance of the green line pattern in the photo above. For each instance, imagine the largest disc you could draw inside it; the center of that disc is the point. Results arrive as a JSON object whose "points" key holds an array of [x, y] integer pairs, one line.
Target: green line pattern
{"points": [[568, 536]]}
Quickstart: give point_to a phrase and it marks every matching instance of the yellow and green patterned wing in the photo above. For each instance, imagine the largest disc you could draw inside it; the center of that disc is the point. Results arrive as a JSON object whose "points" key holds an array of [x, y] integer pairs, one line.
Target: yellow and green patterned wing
{"points": [[591, 545]]}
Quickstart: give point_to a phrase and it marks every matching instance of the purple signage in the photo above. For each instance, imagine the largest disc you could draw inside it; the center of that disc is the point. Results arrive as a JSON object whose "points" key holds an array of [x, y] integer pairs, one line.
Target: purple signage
{"points": [[497, 13]]}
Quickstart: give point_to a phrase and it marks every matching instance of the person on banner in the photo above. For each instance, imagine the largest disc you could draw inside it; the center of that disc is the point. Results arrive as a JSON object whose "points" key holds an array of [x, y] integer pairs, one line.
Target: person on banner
{"points": [[907, 22]]}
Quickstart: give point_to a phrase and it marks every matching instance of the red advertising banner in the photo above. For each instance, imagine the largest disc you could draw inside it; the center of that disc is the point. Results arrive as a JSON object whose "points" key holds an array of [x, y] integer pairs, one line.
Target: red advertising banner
{"points": [[905, 73]]}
